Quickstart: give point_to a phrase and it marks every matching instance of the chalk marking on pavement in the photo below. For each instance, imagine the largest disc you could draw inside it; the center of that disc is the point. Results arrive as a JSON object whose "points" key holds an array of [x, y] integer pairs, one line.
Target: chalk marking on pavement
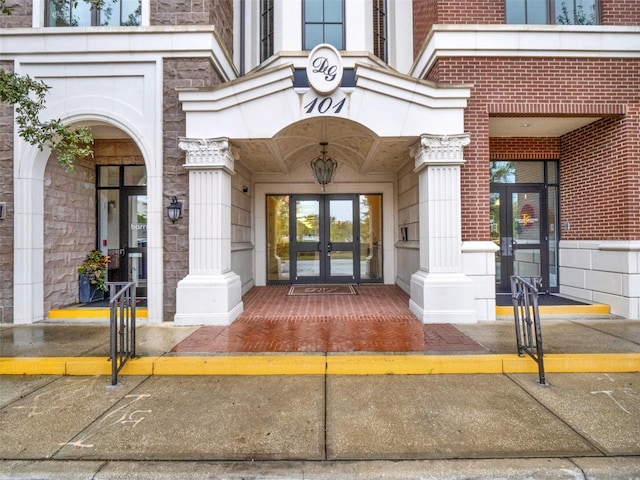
{"points": [[125, 418], [609, 393]]}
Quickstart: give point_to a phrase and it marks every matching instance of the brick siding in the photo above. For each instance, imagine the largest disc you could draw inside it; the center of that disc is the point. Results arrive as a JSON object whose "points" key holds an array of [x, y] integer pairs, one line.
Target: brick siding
{"points": [[554, 86], [21, 14]]}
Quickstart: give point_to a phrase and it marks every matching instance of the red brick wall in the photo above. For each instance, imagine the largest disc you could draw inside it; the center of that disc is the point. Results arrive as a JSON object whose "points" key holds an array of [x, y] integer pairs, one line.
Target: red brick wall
{"points": [[620, 12], [541, 87], [524, 148], [600, 180], [424, 17]]}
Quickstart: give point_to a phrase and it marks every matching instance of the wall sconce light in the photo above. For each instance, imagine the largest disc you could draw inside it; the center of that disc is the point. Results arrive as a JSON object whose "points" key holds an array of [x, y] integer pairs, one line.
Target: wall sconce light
{"points": [[324, 167], [3, 210], [174, 210]]}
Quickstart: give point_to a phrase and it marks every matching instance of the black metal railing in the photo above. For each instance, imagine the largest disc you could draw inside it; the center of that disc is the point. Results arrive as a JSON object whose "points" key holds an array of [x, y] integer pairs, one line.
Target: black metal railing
{"points": [[122, 329], [524, 294]]}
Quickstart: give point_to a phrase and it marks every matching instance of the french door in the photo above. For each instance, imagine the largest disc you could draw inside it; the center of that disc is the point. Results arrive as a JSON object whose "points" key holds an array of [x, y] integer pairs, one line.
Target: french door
{"points": [[519, 229], [324, 232], [324, 238]]}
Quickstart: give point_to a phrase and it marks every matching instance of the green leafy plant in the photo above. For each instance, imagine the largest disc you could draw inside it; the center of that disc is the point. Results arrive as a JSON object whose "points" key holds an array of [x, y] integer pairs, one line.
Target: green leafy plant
{"points": [[28, 97], [95, 267]]}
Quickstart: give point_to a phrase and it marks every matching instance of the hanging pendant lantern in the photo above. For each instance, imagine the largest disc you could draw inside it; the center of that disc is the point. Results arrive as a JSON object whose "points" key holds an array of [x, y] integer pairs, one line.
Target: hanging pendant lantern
{"points": [[324, 167]]}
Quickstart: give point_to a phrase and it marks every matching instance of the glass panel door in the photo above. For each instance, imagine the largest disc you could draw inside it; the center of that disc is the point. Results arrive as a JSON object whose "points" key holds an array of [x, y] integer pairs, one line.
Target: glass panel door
{"points": [[518, 228], [307, 240], [324, 238], [341, 248], [136, 242]]}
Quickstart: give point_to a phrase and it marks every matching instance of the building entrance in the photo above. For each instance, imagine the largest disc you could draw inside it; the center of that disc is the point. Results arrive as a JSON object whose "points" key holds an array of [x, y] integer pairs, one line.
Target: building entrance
{"points": [[523, 223], [122, 223], [324, 238]]}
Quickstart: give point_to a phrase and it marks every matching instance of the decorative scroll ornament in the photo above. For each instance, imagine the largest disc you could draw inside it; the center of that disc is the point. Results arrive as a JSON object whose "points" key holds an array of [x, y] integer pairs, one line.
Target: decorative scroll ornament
{"points": [[440, 149], [203, 153]]}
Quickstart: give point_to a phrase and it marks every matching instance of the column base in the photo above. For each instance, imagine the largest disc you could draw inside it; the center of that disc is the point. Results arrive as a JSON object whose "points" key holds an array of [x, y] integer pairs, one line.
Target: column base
{"points": [[208, 299], [442, 298]]}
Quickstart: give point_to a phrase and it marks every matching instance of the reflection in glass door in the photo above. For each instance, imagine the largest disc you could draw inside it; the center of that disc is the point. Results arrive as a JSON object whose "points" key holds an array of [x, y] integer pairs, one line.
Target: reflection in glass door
{"points": [[518, 228], [324, 238], [122, 223]]}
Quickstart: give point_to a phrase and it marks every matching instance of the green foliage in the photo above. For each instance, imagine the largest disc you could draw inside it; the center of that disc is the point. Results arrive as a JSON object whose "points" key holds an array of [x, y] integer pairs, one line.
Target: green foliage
{"points": [[28, 97], [95, 267], [4, 8]]}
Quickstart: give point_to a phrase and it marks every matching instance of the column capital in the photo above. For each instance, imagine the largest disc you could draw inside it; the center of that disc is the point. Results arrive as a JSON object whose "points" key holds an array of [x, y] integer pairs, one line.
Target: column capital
{"points": [[440, 149], [208, 153]]}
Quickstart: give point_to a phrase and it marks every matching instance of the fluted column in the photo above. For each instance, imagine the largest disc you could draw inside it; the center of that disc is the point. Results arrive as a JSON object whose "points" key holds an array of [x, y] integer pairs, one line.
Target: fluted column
{"points": [[440, 292], [211, 293]]}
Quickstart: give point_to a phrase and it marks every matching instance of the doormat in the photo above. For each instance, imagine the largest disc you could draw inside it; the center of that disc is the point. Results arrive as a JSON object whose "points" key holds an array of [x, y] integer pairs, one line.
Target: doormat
{"points": [[322, 290]]}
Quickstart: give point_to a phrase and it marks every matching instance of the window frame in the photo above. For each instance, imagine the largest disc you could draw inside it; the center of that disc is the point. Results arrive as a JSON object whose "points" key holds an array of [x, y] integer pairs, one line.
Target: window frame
{"points": [[306, 46], [95, 14], [380, 35], [551, 14], [266, 29]]}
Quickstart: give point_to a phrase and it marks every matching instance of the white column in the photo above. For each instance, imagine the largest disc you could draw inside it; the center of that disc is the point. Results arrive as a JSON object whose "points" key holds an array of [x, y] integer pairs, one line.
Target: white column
{"points": [[440, 292], [211, 294]]}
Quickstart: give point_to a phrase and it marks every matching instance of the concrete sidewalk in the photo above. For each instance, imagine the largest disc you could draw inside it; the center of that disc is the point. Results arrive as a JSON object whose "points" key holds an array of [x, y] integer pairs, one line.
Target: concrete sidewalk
{"points": [[321, 426], [251, 416]]}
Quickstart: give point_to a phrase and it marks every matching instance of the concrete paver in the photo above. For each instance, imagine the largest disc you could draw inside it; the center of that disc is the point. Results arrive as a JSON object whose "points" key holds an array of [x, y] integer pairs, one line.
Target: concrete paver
{"points": [[39, 424], [441, 416], [603, 407], [208, 418]]}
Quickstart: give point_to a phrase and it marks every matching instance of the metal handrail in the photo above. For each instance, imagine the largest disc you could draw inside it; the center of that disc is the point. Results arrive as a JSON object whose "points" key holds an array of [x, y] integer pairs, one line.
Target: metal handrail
{"points": [[524, 294], [122, 325]]}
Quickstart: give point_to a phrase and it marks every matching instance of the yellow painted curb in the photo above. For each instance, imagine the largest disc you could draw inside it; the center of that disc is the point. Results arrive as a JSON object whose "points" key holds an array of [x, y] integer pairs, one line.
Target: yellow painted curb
{"points": [[79, 313], [102, 366], [551, 310], [242, 365], [33, 366], [321, 365], [412, 364]]}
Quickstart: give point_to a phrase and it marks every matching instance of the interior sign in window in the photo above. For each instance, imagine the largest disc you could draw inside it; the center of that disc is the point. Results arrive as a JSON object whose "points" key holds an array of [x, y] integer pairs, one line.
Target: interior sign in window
{"points": [[138, 226]]}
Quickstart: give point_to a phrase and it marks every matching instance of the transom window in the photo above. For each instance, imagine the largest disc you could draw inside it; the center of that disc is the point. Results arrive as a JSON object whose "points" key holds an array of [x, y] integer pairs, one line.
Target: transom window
{"points": [[553, 12], [323, 23], [86, 13]]}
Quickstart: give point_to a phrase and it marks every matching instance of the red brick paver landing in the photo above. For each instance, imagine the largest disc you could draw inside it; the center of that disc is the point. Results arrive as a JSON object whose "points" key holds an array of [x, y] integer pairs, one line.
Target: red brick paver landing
{"points": [[376, 320]]}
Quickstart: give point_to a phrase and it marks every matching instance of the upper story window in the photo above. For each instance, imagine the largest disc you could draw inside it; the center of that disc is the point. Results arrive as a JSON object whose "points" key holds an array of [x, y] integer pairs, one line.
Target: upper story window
{"points": [[380, 29], [323, 23], [266, 29], [553, 12], [83, 13]]}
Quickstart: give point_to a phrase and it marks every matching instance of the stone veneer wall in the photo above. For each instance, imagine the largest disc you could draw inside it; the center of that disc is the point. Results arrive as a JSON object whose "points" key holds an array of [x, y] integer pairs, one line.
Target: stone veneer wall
{"points": [[69, 228], [6, 195], [218, 13], [178, 73], [407, 252], [241, 246], [21, 15], [70, 217]]}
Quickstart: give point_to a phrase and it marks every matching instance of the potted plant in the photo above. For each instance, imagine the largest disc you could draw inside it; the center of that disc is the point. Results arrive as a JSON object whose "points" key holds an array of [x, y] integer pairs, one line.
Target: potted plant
{"points": [[93, 277]]}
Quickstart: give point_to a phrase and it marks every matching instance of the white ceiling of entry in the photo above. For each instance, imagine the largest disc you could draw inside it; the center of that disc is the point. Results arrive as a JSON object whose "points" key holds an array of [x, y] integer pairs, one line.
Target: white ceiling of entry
{"points": [[348, 142]]}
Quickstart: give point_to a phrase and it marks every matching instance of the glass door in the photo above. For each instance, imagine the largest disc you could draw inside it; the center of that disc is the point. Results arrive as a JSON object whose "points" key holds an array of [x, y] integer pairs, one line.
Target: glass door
{"points": [[519, 229], [122, 223], [134, 238], [324, 238]]}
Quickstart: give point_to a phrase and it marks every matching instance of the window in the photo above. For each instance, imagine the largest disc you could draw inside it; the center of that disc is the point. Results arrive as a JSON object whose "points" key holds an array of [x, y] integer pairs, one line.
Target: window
{"points": [[323, 23], [553, 12], [380, 29], [84, 13], [266, 29]]}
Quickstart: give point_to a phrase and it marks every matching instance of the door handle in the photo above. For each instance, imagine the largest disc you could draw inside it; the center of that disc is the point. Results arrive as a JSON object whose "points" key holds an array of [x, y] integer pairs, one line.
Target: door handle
{"points": [[329, 249]]}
